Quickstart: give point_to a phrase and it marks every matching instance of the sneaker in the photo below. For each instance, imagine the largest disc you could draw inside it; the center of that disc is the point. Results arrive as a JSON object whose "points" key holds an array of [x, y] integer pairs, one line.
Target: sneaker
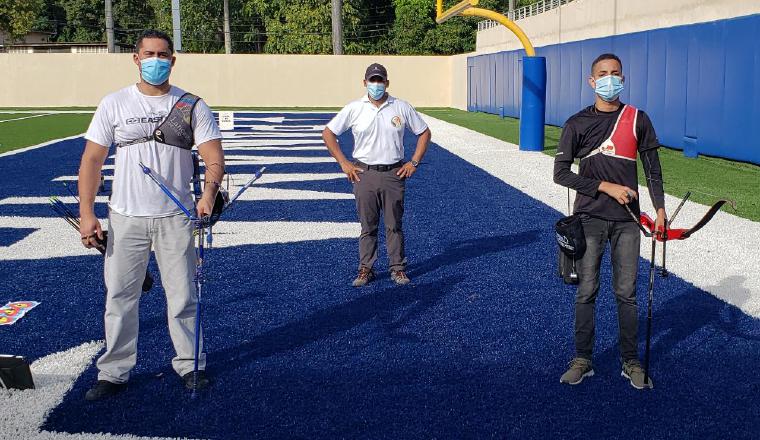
{"points": [[365, 276], [399, 277], [190, 382], [579, 369], [104, 389], [633, 371]]}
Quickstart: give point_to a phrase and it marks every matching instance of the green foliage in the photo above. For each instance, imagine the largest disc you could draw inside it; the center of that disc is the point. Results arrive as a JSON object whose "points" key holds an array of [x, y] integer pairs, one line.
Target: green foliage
{"points": [[17, 17], [403, 27]]}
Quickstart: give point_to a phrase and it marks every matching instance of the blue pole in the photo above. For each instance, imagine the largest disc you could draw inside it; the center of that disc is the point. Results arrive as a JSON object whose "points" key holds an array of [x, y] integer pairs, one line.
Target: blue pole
{"points": [[533, 110]]}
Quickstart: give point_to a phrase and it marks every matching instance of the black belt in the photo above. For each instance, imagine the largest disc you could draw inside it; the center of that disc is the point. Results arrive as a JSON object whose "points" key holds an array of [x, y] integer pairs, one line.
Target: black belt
{"points": [[381, 168]]}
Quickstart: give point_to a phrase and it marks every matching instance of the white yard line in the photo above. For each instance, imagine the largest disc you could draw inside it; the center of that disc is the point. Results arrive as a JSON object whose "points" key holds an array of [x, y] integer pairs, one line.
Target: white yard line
{"points": [[44, 144], [25, 117], [716, 259]]}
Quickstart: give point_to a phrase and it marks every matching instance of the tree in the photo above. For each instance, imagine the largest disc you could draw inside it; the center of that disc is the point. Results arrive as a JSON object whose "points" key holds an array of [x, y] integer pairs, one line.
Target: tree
{"points": [[17, 17]]}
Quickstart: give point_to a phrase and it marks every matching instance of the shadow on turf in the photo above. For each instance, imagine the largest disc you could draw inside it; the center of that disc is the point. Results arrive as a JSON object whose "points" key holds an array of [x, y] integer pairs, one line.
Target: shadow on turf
{"points": [[340, 318], [466, 250], [681, 318]]}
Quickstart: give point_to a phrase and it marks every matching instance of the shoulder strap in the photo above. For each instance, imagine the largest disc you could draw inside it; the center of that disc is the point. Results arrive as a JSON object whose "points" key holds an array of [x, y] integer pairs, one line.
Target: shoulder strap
{"points": [[177, 128]]}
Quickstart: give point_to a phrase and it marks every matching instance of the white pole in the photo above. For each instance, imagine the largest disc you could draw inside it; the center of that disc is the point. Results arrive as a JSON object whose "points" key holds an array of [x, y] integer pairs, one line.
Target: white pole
{"points": [[176, 26], [109, 27], [337, 27], [227, 36]]}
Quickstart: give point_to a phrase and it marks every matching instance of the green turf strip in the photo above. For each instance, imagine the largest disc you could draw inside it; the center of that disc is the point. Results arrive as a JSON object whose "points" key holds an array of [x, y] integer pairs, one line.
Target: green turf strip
{"points": [[19, 134], [708, 178]]}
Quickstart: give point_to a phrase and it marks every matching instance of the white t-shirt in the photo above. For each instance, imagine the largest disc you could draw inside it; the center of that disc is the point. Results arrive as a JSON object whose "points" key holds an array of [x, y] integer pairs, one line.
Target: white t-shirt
{"points": [[128, 115], [378, 131]]}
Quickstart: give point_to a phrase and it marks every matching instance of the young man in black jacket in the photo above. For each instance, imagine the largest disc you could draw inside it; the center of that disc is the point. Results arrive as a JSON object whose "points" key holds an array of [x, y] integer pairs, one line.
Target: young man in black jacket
{"points": [[607, 137]]}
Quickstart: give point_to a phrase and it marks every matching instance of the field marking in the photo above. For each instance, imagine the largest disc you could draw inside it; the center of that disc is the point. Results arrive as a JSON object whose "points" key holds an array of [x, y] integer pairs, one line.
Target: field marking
{"points": [[44, 144], [25, 117]]}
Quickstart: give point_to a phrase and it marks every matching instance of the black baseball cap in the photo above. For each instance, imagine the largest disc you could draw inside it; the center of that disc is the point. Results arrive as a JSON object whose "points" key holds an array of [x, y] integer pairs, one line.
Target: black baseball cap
{"points": [[376, 69]]}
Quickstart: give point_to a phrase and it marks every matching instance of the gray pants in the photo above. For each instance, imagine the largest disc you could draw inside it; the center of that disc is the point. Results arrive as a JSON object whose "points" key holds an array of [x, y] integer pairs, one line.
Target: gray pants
{"points": [[380, 191], [624, 242], [129, 244]]}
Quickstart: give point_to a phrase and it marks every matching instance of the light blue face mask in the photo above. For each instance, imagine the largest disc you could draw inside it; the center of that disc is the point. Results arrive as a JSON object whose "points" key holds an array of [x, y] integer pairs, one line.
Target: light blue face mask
{"points": [[609, 87], [376, 90], [155, 70]]}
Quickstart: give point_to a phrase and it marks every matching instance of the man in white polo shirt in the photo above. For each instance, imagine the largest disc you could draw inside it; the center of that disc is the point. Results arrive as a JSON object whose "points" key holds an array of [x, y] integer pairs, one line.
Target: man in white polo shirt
{"points": [[378, 171], [141, 217]]}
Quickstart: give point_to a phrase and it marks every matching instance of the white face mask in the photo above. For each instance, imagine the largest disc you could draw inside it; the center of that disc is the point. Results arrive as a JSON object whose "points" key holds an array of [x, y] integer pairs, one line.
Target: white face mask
{"points": [[609, 87], [376, 90]]}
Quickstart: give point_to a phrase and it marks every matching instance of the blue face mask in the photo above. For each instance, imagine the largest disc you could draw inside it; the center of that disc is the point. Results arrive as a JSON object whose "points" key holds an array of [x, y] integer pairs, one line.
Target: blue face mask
{"points": [[155, 70], [609, 87], [376, 90]]}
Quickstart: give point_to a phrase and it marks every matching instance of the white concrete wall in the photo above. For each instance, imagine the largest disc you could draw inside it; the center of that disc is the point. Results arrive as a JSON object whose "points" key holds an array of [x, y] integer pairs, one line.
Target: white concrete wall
{"points": [[36, 80], [459, 81], [585, 19]]}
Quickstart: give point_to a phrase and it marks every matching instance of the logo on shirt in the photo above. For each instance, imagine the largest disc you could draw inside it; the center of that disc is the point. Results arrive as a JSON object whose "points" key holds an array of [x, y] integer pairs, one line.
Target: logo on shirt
{"points": [[144, 120], [396, 121]]}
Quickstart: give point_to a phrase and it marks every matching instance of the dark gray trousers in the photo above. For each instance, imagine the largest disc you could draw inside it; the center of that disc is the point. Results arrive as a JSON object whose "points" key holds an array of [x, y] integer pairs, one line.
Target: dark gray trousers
{"points": [[624, 242], [380, 191]]}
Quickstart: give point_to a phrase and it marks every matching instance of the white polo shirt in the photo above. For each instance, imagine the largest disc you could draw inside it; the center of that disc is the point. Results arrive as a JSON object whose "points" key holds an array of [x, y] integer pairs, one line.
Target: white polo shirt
{"points": [[378, 131]]}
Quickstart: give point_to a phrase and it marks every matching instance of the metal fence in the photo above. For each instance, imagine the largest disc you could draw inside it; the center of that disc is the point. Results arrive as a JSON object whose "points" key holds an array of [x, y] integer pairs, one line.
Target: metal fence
{"points": [[526, 11]]}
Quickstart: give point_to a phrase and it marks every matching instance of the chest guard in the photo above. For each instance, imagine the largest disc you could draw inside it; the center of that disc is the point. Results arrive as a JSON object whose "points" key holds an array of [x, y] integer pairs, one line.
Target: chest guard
{"points": [[623, 142], [177, 128]]}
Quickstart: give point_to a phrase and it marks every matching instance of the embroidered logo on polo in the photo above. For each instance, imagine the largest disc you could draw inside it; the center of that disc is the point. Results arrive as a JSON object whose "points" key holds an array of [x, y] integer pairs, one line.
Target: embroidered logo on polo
{"points": [[396, 121]]}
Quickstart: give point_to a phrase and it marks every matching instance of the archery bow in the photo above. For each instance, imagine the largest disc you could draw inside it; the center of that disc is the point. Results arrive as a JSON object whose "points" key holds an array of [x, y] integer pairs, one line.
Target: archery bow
{"points": [[682, 234], [663, 234], [202, 227]]}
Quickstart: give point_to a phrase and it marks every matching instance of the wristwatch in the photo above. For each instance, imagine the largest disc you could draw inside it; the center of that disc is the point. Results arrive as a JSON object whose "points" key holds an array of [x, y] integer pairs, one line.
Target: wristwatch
{"points": [[415, 163]]}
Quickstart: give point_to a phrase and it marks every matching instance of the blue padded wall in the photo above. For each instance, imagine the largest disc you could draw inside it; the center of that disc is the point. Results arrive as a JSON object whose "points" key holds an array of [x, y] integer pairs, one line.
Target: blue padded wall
{"points": [[700, 83]]}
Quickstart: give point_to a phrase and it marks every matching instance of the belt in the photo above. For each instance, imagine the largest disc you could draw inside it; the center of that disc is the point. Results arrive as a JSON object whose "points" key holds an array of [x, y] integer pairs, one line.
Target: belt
{"points": [[381, 168]]}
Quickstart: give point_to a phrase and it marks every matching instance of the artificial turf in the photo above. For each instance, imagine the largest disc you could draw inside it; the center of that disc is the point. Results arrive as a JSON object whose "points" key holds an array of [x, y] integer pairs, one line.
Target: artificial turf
{"points": [[472, 349], [23, 133], [708, 178]]}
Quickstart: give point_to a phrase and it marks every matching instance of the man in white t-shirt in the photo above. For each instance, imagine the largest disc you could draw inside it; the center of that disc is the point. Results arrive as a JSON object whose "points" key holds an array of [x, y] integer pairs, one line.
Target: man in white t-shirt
{"points": [[377, 122], [142, 217]]}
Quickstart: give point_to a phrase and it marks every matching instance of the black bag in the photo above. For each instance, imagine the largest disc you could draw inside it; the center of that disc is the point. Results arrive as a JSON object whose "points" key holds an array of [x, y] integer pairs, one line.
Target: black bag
{"points": [[15, 373], [572, 244], [570, 236]]}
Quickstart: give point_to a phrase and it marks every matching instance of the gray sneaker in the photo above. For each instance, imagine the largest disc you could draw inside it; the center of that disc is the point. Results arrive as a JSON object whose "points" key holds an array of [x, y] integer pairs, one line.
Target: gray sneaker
{"points": [[633, 371], [399, 277], [579, 369], [365, 276]]}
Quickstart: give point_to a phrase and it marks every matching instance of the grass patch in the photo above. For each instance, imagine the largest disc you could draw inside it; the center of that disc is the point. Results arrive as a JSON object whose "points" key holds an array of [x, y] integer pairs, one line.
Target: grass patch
{"points": [[27, 132], [708, 178]]}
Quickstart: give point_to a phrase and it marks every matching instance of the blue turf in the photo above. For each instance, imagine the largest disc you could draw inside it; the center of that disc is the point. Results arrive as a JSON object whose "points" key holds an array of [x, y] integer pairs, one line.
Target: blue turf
{"points": [[8, 236], [473, 349]]}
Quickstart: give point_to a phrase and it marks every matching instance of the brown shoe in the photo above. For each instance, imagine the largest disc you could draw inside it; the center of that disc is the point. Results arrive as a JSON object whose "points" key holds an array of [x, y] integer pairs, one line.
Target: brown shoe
{"points": [[399, 277], [365, 276]]}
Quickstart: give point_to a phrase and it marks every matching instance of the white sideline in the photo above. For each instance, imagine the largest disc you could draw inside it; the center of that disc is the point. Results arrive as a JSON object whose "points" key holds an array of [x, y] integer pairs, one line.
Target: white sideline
{"points": [[25, 117], [44, 144], [715, 259]]}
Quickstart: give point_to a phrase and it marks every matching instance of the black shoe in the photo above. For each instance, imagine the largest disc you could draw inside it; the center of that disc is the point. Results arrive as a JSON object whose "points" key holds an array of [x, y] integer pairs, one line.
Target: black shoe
{"points": [[104, 389], [192, 384]]}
